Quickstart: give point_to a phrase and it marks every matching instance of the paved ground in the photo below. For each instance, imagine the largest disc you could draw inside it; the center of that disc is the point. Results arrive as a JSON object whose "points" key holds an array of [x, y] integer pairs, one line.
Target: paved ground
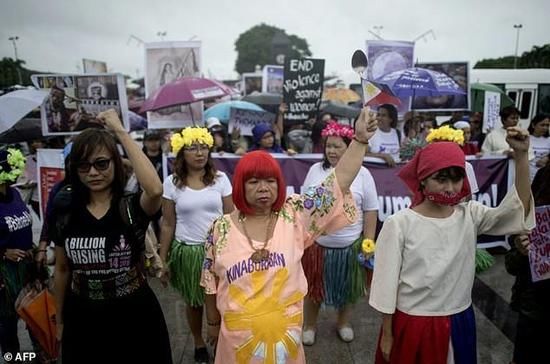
{"points": [[495, 325]]}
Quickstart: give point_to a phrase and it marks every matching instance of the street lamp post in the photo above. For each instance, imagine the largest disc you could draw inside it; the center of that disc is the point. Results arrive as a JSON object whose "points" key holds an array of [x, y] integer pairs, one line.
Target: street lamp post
{"points": [[14, 40], [518, 28]]}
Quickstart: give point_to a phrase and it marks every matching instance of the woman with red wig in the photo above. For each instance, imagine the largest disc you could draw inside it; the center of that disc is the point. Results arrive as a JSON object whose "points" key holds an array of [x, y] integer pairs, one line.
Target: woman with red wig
{"points": [[252, 273], [425, 255]]}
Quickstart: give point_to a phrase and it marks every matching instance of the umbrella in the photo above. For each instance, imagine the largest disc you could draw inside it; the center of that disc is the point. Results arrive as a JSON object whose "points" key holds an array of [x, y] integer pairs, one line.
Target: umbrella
{"points": [[478, 96], [185, 90], [343, 95], [339, 109], [222, 110], [15, 105], [24, 130], [137, 122], [263, 98], [38, 312], [418, 81]]}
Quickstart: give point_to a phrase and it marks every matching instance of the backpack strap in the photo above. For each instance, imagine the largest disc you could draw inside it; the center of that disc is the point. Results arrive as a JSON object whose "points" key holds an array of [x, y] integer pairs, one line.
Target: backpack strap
{"points": [[61, 211], [131, 219]]}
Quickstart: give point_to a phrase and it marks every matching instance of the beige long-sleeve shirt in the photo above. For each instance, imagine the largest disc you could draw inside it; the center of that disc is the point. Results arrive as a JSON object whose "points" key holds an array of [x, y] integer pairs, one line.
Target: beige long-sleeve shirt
{"points": [[426, 266]]}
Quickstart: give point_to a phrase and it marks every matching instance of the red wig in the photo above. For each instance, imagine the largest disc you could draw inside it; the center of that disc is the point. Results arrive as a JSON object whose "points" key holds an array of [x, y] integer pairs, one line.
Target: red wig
{"points": [[257, 164]]}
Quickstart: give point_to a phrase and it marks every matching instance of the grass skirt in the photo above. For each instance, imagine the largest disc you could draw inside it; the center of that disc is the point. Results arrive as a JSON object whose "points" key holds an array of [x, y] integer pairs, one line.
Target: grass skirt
{"points": [[185, 265], [13, 276], [334, 276]]}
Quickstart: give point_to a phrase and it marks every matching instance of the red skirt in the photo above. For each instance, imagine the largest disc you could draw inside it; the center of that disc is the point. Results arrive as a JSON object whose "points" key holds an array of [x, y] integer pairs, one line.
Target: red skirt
{"points": [[426, 339]]}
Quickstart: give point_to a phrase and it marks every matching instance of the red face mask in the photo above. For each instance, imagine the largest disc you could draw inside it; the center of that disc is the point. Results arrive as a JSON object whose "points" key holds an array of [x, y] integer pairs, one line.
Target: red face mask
{"points": [[443, 198]]}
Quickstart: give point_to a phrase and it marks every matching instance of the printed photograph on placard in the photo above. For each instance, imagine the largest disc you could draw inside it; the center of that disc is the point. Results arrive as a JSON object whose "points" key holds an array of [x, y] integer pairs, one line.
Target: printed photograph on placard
{"points": [[252, 82], [273, 77], [74, 101], [92, 66], [166, 62], [386, 56], [454, 75]]}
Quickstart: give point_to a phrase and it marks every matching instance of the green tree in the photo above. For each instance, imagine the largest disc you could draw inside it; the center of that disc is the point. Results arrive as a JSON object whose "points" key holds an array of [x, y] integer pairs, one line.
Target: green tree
{"points": [[10, 70], [537, 57], [254, 47]]}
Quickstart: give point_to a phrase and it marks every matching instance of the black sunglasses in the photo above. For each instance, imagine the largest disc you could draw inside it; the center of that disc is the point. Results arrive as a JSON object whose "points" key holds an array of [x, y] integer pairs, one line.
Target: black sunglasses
{"points": [[100, 164]]}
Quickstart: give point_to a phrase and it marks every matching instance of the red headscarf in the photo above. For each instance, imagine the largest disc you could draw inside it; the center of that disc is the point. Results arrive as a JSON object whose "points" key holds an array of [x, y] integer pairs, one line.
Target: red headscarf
{"points": [[428, 161]]}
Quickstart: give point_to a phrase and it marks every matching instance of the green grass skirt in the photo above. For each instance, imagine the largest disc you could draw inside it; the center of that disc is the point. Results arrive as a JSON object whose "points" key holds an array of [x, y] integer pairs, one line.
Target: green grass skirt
{"points": [[185, 265], [334, 276]]}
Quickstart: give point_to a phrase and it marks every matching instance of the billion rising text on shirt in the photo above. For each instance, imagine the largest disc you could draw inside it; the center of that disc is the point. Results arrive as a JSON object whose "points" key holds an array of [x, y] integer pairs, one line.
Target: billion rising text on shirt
{"points": [[86, 250]]}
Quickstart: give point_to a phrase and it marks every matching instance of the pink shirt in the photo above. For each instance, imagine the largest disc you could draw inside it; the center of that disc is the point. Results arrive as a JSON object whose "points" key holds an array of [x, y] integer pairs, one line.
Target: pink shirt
{"points": [[261, 304]]}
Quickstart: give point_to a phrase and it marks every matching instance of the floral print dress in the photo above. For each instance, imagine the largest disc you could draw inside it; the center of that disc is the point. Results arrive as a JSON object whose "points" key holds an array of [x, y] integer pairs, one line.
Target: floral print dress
{"points": [[261, 304]]}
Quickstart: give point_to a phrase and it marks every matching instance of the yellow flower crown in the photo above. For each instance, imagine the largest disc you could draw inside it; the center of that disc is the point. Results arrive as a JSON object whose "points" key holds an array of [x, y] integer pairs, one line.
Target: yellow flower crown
{"points": [[446, 134], [190, 135], [16, 162]]}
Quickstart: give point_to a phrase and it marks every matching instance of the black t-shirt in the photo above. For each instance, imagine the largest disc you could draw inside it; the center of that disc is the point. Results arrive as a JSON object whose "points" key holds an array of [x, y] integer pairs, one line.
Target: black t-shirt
{"points": [[103, 255]]}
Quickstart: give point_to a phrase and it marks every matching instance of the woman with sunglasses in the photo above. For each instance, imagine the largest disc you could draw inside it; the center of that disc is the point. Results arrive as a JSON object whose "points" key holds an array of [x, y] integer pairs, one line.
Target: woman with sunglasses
{"points": [[194, 196], [106, 311]]}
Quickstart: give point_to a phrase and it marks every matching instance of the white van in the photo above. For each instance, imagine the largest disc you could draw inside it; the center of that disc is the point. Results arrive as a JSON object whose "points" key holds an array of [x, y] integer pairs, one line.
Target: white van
{"points": [[529, 88]]}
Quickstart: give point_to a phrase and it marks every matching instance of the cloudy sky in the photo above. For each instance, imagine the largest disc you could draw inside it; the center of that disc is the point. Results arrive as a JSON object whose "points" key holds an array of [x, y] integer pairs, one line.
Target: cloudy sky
{"points": [[54, 35]]}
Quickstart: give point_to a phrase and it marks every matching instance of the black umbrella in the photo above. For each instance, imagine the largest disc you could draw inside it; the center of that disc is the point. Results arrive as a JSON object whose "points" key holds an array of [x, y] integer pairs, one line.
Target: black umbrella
{"points": [[339, 109], [24, 130], [264, 98]]}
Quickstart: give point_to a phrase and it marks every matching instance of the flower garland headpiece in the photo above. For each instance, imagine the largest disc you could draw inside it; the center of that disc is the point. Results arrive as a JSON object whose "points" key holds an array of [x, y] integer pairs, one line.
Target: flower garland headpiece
{"points": [[15, 163], [446, 134], [335, 129], [190, 135]]}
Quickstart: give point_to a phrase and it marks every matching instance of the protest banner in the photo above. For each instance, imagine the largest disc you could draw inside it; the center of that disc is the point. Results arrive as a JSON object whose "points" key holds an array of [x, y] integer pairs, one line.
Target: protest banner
{"points": [[92, 66], [272, 79], [491, 174], [459, 72], [252, 82], [75, 101], [302, 88], [166, 62], [539, 251], [246, 120], [50, 170], [386, 56]]}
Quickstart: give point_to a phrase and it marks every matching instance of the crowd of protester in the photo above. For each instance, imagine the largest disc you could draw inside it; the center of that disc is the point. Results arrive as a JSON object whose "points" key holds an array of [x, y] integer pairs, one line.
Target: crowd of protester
{"points": [[290, 254]]}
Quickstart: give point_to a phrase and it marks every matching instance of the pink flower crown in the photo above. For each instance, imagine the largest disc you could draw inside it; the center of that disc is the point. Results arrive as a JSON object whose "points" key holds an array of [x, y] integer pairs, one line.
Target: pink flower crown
{"points": [[335, 129]]}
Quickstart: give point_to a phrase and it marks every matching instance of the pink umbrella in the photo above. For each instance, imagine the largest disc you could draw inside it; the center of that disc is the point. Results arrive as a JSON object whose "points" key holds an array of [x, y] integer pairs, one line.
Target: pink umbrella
{"points": [[183, 91]]}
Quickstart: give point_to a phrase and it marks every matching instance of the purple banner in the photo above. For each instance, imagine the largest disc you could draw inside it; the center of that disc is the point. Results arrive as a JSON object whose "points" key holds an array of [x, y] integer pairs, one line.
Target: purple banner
{"points": [[393, 195]]}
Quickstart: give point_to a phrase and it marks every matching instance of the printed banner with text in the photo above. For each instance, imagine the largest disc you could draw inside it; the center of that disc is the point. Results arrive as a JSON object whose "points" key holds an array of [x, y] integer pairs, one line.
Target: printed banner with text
{"points": [[49, 163], [393, 195], [539, 251], [302, 88]]}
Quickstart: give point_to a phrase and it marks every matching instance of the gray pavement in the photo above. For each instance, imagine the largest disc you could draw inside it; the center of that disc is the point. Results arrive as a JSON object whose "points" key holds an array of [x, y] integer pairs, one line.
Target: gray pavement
{"points": [[494, 323]]}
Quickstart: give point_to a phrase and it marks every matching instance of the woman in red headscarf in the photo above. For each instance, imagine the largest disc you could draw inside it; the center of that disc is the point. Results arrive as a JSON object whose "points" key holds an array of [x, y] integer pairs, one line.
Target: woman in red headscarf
{"points": [[425, 256]]}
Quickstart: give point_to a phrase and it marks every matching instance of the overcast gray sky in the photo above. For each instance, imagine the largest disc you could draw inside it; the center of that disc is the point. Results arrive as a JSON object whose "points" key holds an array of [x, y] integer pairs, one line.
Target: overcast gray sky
{"points": [[55, 35]]}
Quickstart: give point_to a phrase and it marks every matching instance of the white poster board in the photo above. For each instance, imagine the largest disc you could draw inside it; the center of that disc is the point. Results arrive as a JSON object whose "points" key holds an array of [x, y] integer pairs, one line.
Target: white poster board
{"points": [[166, 62]]}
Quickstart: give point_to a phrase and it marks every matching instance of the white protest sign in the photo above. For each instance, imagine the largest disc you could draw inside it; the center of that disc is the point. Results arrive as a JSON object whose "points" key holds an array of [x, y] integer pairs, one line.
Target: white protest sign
{"points": [[491, 110], [539, 251], [246, 120]]}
